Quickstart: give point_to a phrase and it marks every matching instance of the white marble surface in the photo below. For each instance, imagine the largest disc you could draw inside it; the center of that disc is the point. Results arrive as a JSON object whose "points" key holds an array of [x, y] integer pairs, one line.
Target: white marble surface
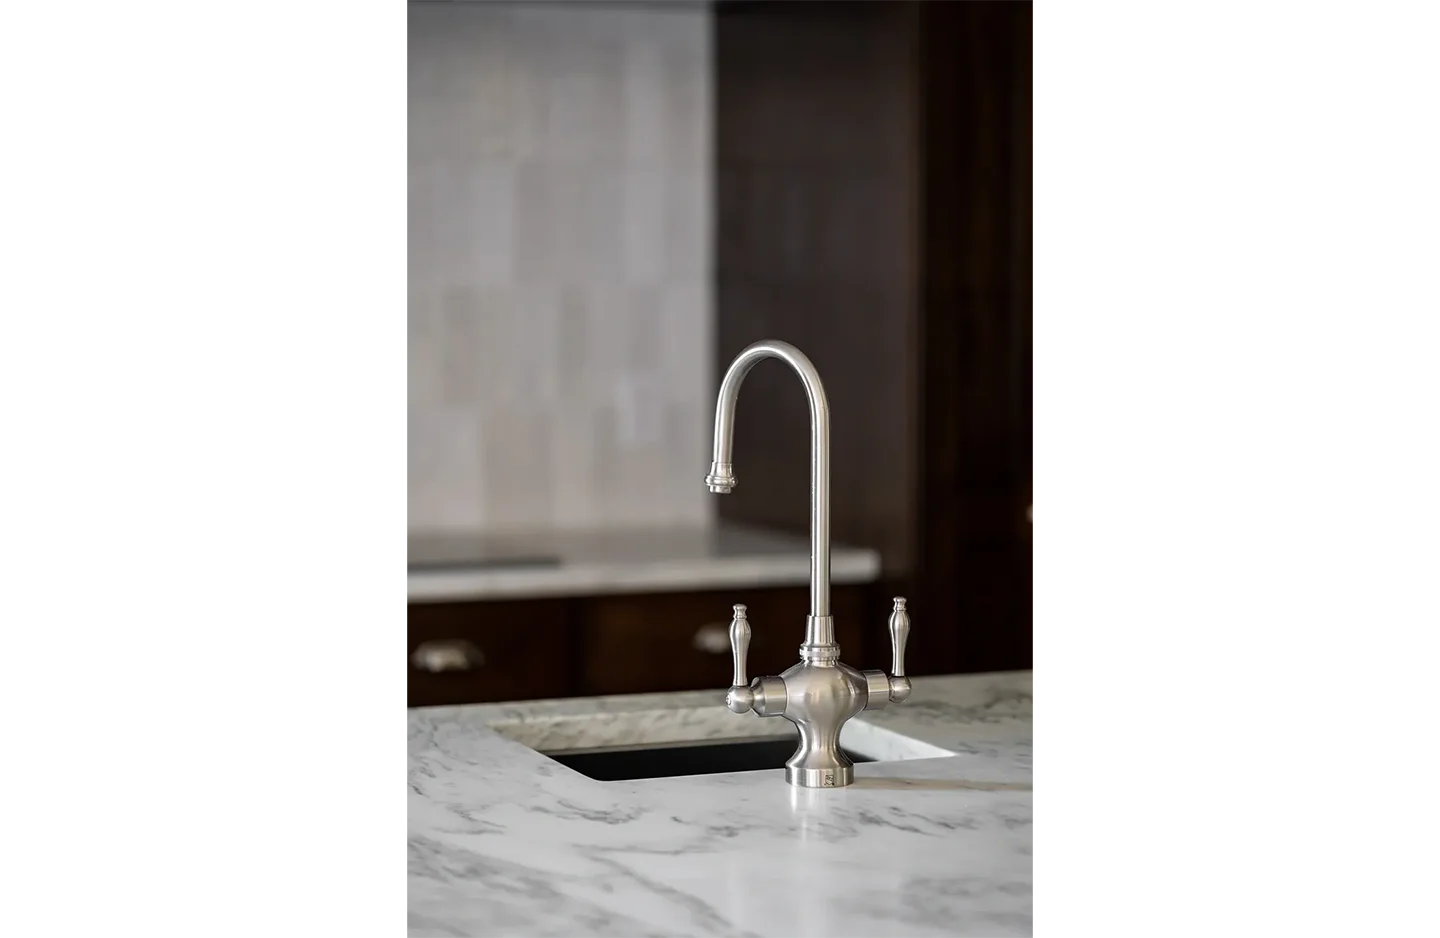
{"points": [[587, 563], [504, 841]]}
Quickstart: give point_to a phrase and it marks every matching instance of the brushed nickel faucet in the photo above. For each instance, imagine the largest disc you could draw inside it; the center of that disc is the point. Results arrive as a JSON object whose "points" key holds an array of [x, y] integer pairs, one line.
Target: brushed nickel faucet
{"points": [[820, 693]]}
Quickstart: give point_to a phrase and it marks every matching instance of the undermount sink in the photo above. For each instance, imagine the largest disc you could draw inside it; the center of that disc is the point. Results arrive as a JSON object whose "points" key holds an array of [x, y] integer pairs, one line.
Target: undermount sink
{"points": [[645, 736], [676, 759]]}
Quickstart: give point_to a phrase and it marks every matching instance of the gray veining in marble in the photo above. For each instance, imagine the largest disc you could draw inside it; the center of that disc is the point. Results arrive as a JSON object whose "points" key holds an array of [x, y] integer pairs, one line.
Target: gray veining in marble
{"points": [[504, 841]]}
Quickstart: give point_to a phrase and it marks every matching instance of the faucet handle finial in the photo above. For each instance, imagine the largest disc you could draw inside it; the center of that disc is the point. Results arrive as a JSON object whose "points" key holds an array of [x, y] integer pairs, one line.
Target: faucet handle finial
{"points": [[740, 698], [899, 632]]}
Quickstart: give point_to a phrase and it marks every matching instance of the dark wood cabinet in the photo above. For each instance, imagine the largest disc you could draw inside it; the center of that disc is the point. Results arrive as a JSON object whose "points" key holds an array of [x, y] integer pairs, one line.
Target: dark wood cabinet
{"points": [[872, 207], [637, 644], [478, 652]]}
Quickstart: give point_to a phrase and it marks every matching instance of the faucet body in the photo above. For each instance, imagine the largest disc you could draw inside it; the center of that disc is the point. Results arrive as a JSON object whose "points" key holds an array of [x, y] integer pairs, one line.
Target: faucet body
{"points": [[819, 693]]}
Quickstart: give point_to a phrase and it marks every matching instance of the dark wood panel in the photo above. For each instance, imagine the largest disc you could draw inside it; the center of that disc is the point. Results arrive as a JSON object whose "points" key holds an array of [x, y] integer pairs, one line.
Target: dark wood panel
{"points": [[873, 207], [975, 332], [525, 651], [816, 227], [639, 644]]}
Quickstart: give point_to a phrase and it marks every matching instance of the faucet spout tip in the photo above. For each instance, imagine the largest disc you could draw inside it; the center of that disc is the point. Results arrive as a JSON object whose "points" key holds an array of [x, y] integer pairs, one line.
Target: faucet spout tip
{"points": [[721, 478]]}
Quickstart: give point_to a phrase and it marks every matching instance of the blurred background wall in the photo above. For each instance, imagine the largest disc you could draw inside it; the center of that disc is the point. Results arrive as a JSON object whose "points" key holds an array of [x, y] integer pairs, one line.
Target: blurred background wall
{"points": [[560, 310], [609, 200]]}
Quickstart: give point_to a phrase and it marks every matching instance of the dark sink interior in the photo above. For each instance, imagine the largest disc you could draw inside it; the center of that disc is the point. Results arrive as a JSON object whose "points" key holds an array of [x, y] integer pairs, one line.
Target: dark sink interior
{"points": [[710, 758]]}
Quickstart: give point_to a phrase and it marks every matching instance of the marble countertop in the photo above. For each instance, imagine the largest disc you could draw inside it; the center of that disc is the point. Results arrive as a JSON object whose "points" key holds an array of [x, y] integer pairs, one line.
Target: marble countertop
{"points": [[505, 841], [453, 566]]}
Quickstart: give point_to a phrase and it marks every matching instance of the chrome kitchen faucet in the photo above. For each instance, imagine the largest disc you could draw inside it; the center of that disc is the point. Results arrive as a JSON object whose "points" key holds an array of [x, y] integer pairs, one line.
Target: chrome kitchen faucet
{"points": [[820, 693]]}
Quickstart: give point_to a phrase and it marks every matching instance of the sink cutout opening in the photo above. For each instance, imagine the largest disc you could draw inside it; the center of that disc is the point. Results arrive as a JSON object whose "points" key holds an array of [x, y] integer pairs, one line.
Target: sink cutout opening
{"points": [[681, 759]]}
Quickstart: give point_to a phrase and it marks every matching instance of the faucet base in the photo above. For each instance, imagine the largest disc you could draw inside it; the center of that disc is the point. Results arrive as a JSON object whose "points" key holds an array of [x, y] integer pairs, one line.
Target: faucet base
{"points": [[820, 639], [837, 777]]}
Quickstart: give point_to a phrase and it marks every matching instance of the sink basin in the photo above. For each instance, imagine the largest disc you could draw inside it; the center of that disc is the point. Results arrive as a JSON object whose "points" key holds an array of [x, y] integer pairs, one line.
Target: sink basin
{"points": [[699, 758], [664, 735]]}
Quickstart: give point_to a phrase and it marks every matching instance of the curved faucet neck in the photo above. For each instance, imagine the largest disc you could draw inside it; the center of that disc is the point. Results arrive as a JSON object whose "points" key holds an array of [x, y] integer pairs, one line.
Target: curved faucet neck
{"points": [[819, 630]]}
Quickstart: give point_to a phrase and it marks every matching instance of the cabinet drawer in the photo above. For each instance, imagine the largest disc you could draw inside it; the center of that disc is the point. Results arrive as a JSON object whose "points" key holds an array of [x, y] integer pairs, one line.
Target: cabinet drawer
{"points": [[481, 652], [680, 641]]}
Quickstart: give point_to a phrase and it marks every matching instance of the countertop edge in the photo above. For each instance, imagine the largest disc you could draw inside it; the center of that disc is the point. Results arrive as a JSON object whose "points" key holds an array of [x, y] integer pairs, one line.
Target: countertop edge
{"points": [[847, 566]]}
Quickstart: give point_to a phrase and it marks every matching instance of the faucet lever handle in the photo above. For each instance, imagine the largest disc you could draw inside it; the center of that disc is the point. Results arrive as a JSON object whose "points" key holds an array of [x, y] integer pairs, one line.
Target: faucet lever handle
{"points": [[740, 698], [899, 632], [739, 644]]}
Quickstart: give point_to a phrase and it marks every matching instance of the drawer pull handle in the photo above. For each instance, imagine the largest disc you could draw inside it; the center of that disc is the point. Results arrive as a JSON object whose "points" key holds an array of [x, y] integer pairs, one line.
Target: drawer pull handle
{"points": [[440, 656], [713, 638]]}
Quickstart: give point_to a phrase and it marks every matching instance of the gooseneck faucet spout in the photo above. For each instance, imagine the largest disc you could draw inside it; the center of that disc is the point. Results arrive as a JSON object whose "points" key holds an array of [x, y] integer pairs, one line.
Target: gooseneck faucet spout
{"points": [[820, 629], [819, 693]]}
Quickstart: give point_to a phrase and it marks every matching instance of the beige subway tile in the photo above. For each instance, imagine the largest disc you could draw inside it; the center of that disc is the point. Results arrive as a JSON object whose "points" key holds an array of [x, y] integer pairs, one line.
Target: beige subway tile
{"points": [[445, 474], [643, 226], [518, 471], [687, 231]]}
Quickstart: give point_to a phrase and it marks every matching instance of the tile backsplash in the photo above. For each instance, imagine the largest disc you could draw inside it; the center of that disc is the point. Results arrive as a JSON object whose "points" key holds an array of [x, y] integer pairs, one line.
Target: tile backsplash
{"points": [[559, 265]]}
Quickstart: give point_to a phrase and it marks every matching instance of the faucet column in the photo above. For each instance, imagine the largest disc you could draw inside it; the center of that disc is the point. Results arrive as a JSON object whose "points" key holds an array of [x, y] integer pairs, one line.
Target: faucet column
{"points": [[819, 627]]}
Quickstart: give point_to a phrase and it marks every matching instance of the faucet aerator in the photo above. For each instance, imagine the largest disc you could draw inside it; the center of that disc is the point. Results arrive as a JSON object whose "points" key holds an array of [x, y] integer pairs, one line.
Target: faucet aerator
{"points": [[721, 479]]}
